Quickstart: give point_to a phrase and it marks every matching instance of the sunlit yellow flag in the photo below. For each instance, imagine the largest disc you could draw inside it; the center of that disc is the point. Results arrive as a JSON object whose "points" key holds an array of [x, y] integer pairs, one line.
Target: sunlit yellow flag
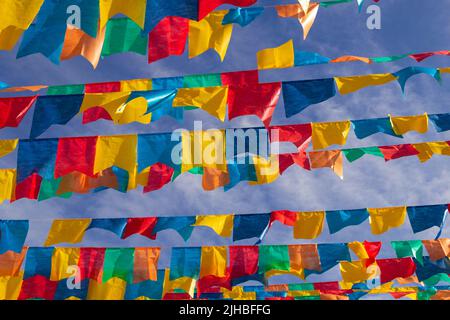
{"points": [[402, 125], [10, 287], [348, 85], [309, 225], [184, 283], [62, 260], [332, 159], [221, 224], [305, 12], [213, 261], [325, 134], [67, 231], [267, 170], [113, 289], [359, 249], [7, 184], [353, 272], [209, 33], [7, 146], [211, 99], [428, 149], [16, 16], [276, 58], [134, 11], [384, 219], [135, 85], [238, 293]]}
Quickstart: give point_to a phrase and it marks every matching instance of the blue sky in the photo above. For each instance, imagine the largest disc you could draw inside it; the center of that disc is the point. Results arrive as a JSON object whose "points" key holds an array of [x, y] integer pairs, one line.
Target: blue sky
{"points": [[407, 26]]}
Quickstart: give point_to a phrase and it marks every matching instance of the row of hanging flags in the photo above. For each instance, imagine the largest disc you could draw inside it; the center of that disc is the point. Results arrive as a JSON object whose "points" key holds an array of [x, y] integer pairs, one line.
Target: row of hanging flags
{"points": [[306, 225], [132, 273], [149, 27], [227, 95]]}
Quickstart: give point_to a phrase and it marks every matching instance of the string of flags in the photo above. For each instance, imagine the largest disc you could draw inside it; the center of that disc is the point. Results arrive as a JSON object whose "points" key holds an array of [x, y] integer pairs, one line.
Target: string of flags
{"points": [[227, 95]]}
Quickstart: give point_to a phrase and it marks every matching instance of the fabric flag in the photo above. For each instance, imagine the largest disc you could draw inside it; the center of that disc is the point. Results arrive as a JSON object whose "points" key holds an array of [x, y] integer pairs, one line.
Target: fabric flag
{"points": [[54, 109], [221, 224], [142, 226], [7, 146], [209, 33], [211, 99], [305, 16], [298, 95], [406, 73], [304, 257], [123, 35], [110, 8], [13, 110], [402, 125], [437, 249], [426, 217], [276, 58], [28, 188], [62, 259], [267, 170], [250, 226], [75, 154], [398, 151], [145, 264], [67, 231], [185, 262], [305, 58], [168, 38], [136, 85], [411, 248], [108, 102], [118, 262], [214, 178], [273, 258], [349, 58], [184, 284], [157, 11], [7, 183], [340, 219], [148, 289], [441, 121], [426, 150], [13, 235], [112, 289], [38, 287], [38, 262], [183, 225], [367, 127], [384, 219], [65, 293], [10, 287], [287, 159], [91, 263], [330, 255], [356, 153], [238, 172], [115, 226], [78, 43], [327, 159], [242, 16], [207, 6], [213, 262], [325, 134], [395, 268], [348, 85], [309, 225], [353, 272], [11, 263], [15, 19], [243, 262], [102, 87], [154, 148], [160, 174]]}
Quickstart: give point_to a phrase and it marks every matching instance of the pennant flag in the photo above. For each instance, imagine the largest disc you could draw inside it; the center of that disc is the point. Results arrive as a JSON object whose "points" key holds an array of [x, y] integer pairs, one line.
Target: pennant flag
{"points": [[353, 272], [116, 226], [54, 109], [238, 172], [384, 219], [243, 262], [356, 153], [402, 125], [10, 287], [142, 226], [330, 255], [67, 231], [28, 188], [367, 127], [15, 19], [168, 38], [91, 263], [7, 146], [406, 73], [426, 217], [207, 6], [213, 262], [325, 134], [159, 175], [75, 154], [13, 110], [123, 35], [327, 159], [183, 225], [184, 284], [136, 85], [102, 87], [298, 95], [309, 225], [118, 263], [154, 148], [273, 258], [214, 178], [157, 11], [7, 183], [185, 262], [38, 287], [426, 150], [110, 8], [11, 263], [412, 248], [305, 17], [398, 151], [112, 289], [348, 58], [267, 170], [145, 264], [340, 219], [348, 85], [13, 235], [441, 121], [395, 268], [148, 289], [38, 262], [276, 58], [304, 257], [437, 249], [242, 16], [221, 224], [305, 58], [250, 226], [62, 259], [209, 33]]}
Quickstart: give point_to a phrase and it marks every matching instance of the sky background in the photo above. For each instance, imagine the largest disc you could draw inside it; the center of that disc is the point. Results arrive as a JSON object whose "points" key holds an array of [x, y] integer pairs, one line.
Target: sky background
{"points": [[408, 26]]}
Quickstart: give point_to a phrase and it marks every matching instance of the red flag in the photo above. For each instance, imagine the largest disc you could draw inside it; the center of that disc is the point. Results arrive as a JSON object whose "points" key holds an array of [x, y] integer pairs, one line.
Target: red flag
{"points": [[160, 175], [396, 268], [75, 154], [168, 38], [323, 286], [206, 6], [177, 296], [102, 87], [210, 283], [28, 188], [38, 287], [91, 263], [422, 56], [284, 216], [142, 226], [372, 249], [243, 261], [399, 151], [94, 114], [298, 134], [288, 159], [12, 110]]}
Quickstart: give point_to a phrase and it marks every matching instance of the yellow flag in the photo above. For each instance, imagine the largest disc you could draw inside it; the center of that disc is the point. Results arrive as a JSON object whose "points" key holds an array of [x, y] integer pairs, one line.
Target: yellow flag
{"points": [[113, 289], [209, 33], [359, 249], [10, 287], [348, 85], [7, 184], [383, 219], [7, 146], [353, 271], [134, 11], [328, 159], [267, 170], [213, 261], [62, 260], [110, 101], [325, 134], [308, 224], [135, 85], [276, 58], [221, 224], [238, 293], [184, 283], [428, 149], [16, 16], [402, 125], [67, 231], [211, 99]]}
